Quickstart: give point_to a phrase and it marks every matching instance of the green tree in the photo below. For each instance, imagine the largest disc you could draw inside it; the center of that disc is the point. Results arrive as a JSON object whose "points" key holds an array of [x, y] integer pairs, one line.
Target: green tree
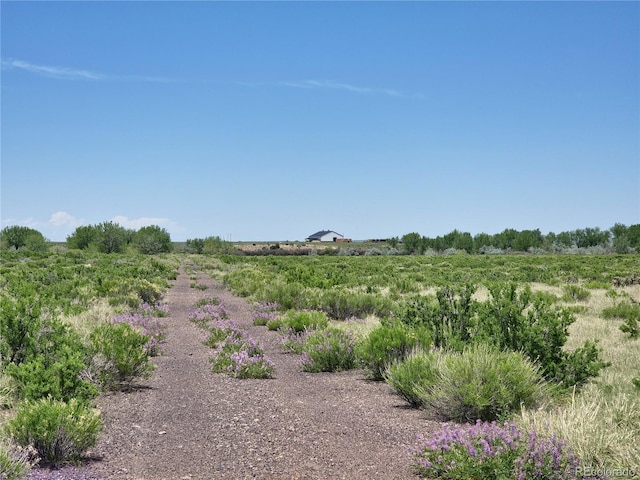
{"points": [[152, 240], [527, 239], [195, 245], [633, 234], [412, 243], [18, 236], [112, 238], [83, 237], [216, 245]]}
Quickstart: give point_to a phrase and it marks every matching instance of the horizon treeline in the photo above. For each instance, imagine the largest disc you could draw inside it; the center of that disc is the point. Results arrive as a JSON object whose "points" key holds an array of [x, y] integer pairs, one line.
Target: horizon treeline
{"points": [[618, 239], [110, 237]]}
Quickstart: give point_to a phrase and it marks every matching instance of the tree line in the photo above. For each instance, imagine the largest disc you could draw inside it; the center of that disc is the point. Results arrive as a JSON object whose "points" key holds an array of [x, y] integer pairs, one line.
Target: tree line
{"points": [[106, 237], [618, 239], [110, 237]]}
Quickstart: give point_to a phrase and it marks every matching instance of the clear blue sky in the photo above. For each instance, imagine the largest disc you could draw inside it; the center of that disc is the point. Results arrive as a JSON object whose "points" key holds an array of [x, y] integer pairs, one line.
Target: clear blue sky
{"points": [[271, 121]]}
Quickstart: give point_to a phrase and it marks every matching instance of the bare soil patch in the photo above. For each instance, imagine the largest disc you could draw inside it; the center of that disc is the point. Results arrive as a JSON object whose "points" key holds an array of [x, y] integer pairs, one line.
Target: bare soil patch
{"points": [[187, 423]]}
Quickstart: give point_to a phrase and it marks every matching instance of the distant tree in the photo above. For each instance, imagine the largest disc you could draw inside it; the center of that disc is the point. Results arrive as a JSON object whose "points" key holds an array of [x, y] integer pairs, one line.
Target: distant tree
{"points": [[564, 239], [216, 245], [112, 238], [18, 236], [590, 237], [152, 240], [458, 240], [82, 237], [621, 242], [412, 243], [633, 234], [483, 240], [195, 245], [393, 242], [527, 239]]}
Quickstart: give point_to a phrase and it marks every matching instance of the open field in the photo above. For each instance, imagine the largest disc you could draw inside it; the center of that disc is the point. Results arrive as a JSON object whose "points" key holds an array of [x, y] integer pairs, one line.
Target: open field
{"points": [[600, 420]]}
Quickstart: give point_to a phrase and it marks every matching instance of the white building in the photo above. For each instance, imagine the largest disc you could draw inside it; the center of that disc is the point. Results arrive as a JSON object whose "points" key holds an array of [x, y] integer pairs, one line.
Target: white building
{"points": [[325, 236]]}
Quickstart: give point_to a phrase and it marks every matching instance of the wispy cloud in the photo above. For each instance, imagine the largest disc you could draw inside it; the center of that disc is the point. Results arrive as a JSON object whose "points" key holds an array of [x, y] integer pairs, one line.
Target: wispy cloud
{"points": [[64, 219], [66, 73], [362, 90]]}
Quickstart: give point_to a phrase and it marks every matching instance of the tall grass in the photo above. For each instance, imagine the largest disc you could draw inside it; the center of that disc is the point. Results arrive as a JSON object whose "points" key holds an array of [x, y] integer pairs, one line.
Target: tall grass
{"points": [[602, 421]]}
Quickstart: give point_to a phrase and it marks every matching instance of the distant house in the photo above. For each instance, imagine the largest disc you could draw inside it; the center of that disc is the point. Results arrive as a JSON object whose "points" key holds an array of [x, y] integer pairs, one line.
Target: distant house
{"points": [[325, 236]]}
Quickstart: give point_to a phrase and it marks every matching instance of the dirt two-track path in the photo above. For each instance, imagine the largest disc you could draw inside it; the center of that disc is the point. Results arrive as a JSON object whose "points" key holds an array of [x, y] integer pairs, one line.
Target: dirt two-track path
{"points": [[187, 423]]}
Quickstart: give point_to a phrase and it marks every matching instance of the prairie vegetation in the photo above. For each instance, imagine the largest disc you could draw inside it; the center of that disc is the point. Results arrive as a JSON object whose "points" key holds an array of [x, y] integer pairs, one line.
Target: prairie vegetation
{"points": [[523, 353], [546, 343]]}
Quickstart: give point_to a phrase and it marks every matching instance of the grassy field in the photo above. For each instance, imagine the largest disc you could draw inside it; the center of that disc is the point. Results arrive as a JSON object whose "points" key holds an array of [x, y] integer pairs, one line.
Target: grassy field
{"points": [[601, 420]]}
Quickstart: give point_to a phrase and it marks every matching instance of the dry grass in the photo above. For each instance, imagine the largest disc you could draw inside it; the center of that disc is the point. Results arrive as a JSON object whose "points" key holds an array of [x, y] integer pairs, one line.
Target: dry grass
{"points": [[85, 322], [602, 421]]}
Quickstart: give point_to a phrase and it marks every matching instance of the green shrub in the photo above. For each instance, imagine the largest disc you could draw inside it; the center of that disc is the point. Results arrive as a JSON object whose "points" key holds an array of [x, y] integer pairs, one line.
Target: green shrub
{"points": [[59, 431], [20, 324], [481, 383], [299, 321], [575, 293], [275, 324], [388, 343], [519, 321], [119, 355], [15, 461], [328, 350], [340, 304], [412, 374], [417, 370], [58, 377], [53, 365], [451, 319], [629, 313]]}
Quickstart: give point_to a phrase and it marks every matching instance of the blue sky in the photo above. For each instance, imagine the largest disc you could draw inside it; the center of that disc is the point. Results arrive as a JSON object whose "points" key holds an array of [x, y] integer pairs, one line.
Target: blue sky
{"points": [[271, 121]]}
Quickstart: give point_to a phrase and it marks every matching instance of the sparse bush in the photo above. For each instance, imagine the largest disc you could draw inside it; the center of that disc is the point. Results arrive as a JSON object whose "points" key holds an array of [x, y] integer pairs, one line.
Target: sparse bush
{"points": [[294, 342], [388, 343], [480, 383], [120, 355], [629, 313], [240, 356], [59, 431], [575, 293], [417, 370], [300, 321], [328, 350]]}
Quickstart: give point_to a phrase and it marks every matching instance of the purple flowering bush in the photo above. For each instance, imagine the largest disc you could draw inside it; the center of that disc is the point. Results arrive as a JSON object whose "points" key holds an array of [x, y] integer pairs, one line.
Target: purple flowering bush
{"points": [[148, 326], [235, 352], [240, 356], [154, 309], [292, 341], [492, 450], [208, 314], [328, 350], [263, 312]]}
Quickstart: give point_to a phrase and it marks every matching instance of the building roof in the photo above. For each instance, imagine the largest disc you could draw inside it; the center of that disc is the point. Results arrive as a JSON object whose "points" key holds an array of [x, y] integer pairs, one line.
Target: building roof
{"points": [[320, 234]]}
